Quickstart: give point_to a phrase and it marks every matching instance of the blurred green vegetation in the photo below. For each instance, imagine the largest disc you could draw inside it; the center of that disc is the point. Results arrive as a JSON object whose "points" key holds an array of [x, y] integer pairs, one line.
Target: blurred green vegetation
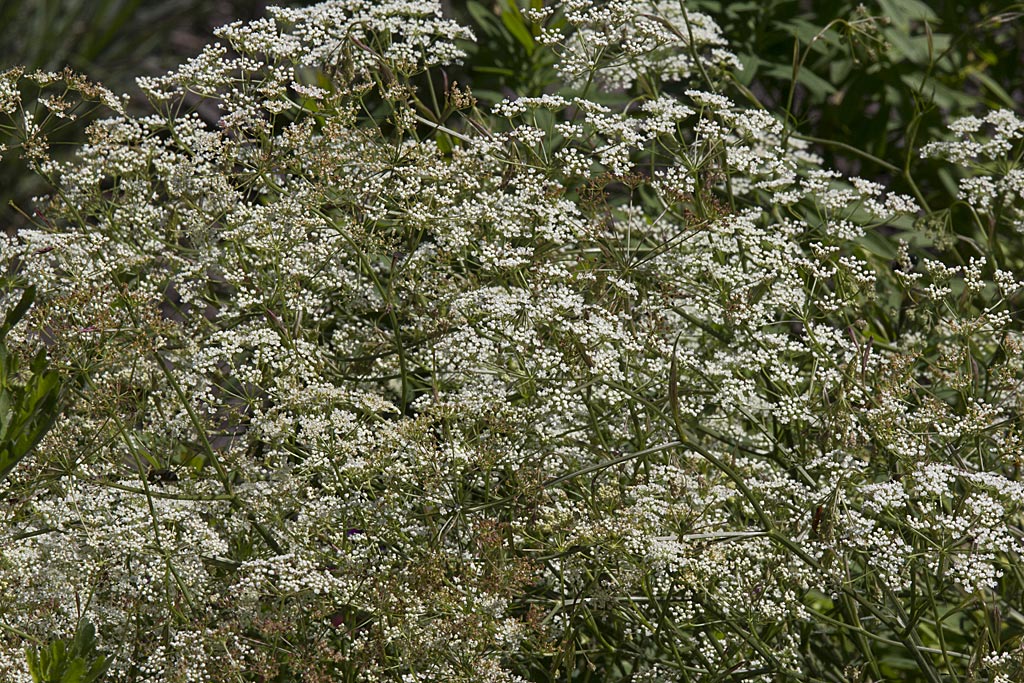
{"points": [[869, 83], [112, 41]]}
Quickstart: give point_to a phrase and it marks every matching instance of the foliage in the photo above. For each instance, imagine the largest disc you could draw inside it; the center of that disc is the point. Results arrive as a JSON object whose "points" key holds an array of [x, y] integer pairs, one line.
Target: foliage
{"points": [[29, 409], [507, 59], [374, 380], [76, 662]]}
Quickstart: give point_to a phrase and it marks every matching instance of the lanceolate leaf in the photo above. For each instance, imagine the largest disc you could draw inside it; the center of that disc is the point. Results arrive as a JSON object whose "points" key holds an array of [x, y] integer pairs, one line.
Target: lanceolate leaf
{"points": [[27, 410]]}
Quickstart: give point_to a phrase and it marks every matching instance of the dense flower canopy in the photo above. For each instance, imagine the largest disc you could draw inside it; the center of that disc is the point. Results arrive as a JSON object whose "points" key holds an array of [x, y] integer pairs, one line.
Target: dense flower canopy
{"points": [[365, 388]]}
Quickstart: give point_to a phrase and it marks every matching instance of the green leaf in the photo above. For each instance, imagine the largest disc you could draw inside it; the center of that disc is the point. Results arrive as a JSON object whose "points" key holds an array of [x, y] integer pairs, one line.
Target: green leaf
{"points": [[878, 245], [444, 143], [53, 661], [839, 69], [910, 48], [484, 18], [899, 664], [98, 668], [902, 12], [735, 9], [1004, 97], [34, 665], [494, 70], [814, 83], [75, 671], [85, 638], [804, 31], [63, 662], [31, 411], [19, 310], [513, 21], [751, 64], [6, 413]]}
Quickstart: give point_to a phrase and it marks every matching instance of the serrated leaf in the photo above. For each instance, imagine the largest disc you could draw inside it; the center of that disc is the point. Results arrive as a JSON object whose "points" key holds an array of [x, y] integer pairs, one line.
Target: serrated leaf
{"points": [[85, 638], [31, 413]]}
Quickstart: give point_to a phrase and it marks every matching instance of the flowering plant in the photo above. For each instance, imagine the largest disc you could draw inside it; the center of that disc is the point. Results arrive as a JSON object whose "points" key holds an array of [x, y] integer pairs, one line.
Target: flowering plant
{"points": [[363, 381]]}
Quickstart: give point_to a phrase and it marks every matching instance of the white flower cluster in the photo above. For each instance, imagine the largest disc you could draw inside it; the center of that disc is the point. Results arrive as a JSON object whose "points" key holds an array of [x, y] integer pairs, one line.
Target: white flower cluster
{"points": [[623, 41], [358, 397]]}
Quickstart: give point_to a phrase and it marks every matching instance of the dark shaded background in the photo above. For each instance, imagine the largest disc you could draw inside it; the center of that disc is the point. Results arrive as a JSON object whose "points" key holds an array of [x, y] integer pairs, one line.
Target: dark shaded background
{"points": [[112, 40]]}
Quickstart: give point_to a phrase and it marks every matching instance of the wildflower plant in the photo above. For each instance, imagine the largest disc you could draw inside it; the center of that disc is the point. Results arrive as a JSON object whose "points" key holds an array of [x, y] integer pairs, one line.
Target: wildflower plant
{"points": [[367, 382]]}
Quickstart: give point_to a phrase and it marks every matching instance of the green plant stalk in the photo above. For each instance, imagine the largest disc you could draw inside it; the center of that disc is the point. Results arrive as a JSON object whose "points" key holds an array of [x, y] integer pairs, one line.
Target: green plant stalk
{"points": [[221, 472], [689, 442]]}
